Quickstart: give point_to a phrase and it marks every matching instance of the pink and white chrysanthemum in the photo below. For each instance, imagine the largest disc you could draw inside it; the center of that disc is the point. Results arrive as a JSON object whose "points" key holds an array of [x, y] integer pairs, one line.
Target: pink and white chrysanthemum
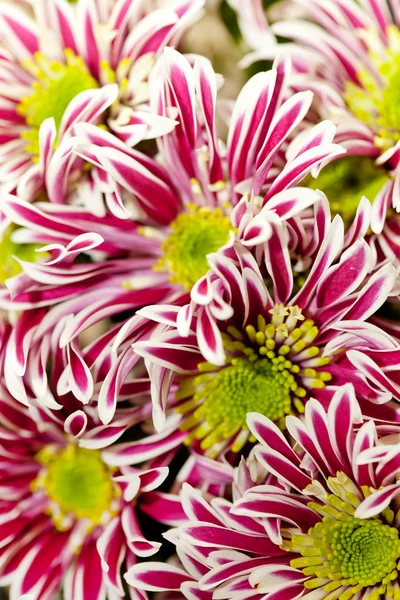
{"points": [[267, 334], [87, 61], [323, 525], [348, 54], [69, 504]]}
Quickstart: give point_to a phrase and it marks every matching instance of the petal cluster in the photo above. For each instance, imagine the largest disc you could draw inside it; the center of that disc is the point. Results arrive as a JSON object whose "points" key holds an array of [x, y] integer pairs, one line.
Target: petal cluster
{"points": [[310, 523], [348, 55]]}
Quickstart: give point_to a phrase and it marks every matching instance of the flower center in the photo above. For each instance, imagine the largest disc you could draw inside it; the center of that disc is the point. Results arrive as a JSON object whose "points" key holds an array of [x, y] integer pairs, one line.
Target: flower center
{"points": [[262, 384], [267, 370], [9, 249], [353, 553], [77, 481], [194, 235], [341, 554], [377, 101], [346, 180], [55, 86]]}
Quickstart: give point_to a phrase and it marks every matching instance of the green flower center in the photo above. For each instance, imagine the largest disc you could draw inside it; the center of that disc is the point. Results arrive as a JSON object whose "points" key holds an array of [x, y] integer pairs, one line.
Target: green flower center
{"points": [[343, 555], [78, 482], [263, 385], [346, 180], [378, 103], [9, 249], [352, 553], [194, 235], [364, 552], [55, 86], [264, 372]]}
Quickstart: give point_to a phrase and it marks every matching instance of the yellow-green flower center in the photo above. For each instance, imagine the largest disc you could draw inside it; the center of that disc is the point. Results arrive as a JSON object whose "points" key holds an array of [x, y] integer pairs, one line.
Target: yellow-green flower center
{"points": [[346, 180], [9, 249], [56, 85], [377, 103], [261, 384], [194, 235], [352, 553], [343, 555], [77, 481], [264, 372]]}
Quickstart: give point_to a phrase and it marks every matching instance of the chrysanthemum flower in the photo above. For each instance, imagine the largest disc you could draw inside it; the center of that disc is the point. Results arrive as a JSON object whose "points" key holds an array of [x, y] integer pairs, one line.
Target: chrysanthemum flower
{"points": [[348, 53], [69, 510], [210, 180], [77, 62], [267, 335], [317, 528]]}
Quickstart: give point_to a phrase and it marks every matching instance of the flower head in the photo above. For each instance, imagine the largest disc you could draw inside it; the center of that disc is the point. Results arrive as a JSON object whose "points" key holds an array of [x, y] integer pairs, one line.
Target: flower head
{"points": [[69, 511], [78, 62], [217, 188], [322, 524], [266, 335]]}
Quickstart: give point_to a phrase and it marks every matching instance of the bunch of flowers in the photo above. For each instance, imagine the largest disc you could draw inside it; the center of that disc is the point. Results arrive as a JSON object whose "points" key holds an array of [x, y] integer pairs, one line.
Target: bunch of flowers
{"points": [[199, 300]]}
